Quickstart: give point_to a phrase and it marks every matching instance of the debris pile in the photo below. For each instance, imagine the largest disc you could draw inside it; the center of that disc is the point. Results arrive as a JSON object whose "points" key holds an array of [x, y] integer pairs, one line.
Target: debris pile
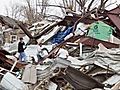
{"points": [[77, 53]]}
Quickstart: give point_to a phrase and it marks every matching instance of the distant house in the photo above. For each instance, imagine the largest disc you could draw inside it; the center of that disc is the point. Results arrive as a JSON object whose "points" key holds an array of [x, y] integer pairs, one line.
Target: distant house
{"points": [[10, 30], [12, 35]]}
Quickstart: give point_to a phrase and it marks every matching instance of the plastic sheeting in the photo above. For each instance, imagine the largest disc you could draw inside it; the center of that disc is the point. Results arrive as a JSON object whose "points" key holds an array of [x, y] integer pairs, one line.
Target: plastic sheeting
{"points": [[80, 30], [100, 30], [59, 37], [49, 35]]}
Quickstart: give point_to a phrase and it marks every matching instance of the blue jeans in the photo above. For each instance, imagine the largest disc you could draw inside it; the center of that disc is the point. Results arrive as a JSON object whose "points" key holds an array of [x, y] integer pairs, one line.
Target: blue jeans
{"points": [[22, 56]]}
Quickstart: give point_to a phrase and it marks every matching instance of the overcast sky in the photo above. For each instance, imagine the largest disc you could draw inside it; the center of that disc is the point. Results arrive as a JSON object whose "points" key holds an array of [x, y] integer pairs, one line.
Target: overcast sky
{"points": [[7, 3]]}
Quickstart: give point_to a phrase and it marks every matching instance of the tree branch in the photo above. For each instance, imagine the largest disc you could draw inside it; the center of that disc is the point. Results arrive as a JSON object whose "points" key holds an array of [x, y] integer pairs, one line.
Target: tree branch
{"points": [[111, 4], [53, 6], [89, 6], [48, 15], [79, 2]]}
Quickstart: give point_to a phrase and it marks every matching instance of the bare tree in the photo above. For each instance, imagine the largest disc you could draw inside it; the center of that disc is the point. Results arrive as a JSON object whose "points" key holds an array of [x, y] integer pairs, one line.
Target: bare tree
{"points": [[28, 12], [43, 6], [14, 11], [38, 11], [73, 6], [35, 12], [84, 6]]}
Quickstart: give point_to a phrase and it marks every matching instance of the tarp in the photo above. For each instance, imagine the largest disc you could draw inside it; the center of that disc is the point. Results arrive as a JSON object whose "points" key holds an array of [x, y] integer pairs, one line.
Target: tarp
{"points": [[49, 35], [100, 30], [59, 37]]}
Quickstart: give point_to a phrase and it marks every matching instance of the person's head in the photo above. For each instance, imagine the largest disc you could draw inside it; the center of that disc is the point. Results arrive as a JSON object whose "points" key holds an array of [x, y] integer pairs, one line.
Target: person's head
{"points": [[21, 39], [40, 44]]}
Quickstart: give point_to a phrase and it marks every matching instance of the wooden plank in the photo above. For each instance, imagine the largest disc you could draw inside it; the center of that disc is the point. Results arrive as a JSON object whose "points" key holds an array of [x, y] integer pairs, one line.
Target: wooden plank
{"points": [[30, 74]]}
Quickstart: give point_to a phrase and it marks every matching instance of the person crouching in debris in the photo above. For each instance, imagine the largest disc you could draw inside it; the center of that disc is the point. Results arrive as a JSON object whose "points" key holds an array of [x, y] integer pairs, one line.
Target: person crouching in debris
{"points": [[63, 53], [42, 53], [22, 56]]}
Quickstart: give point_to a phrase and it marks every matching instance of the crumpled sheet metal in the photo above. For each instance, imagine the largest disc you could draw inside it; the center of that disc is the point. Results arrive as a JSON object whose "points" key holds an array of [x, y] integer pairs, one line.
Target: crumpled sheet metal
{"points": [[49, 71], [80, 81], [94, 42], [114, 16]]}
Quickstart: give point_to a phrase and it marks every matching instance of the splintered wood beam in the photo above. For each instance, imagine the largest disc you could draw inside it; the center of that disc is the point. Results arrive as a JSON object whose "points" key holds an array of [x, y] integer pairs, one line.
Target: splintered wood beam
{"points": [[32, 39], [8, 62], [22, 26], [46, 30]]}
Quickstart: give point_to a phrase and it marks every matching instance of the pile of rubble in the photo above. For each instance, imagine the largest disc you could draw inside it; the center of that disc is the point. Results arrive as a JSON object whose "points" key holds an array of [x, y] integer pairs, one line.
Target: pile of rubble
{"points": [[83, 54]]}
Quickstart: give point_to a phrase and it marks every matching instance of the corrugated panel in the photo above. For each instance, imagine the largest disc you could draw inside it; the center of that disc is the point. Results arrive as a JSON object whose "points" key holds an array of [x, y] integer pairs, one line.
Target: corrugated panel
{"points": [[94, 42], [81, 81], [114, 16]]}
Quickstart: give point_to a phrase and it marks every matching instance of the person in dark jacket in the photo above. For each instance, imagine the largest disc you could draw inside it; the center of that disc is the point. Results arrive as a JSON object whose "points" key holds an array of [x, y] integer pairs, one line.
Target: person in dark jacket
{"points": [[22, 56]]}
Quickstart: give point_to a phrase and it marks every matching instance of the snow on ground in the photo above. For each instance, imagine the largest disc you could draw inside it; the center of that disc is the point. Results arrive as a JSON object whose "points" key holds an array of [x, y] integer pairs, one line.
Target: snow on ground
{"points": [[32, 50]]}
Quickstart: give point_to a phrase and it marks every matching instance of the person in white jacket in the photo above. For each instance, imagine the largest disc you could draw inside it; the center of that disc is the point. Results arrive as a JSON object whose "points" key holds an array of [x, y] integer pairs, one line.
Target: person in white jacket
{"points": [[42, 52], [62, 53]]}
